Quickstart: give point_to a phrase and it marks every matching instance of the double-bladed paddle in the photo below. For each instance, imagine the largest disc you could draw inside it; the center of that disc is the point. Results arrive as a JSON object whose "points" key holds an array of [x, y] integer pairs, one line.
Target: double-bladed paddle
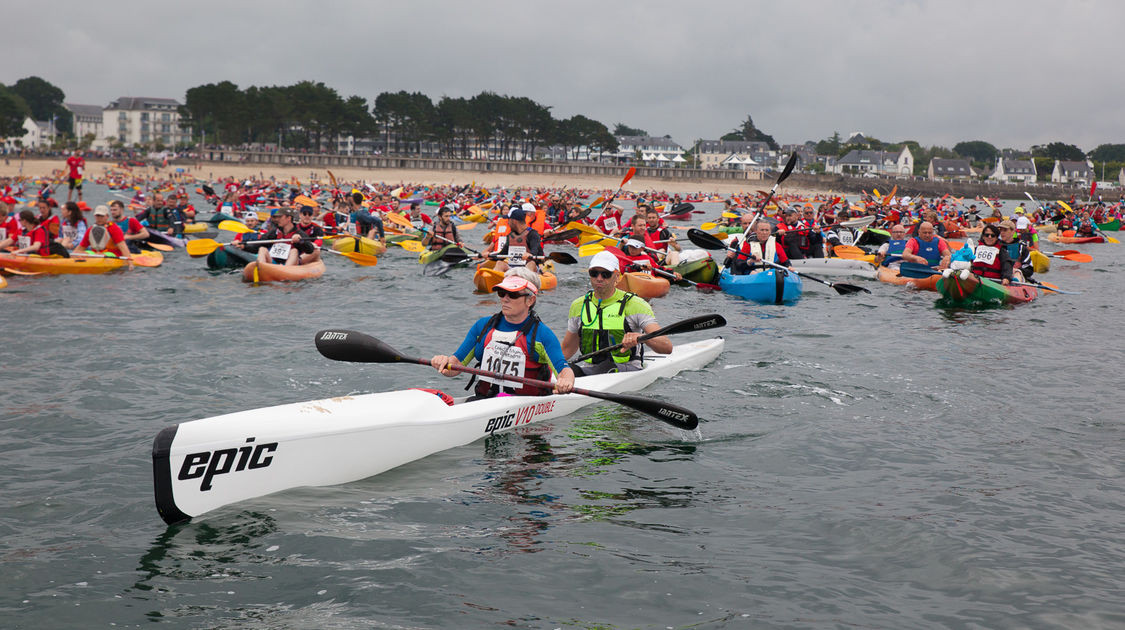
{"points": [[699, 322], [1072, 255], [357, 347], [455, 256], [706, 241], [916, 270]]}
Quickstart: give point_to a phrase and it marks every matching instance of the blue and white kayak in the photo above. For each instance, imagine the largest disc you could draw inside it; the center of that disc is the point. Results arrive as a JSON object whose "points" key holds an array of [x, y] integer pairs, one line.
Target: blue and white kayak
{"points": [[767, 286]]}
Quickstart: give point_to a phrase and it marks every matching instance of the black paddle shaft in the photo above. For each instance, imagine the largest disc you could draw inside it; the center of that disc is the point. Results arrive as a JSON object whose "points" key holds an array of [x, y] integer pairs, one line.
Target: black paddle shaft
{"points": [[357, 347]]}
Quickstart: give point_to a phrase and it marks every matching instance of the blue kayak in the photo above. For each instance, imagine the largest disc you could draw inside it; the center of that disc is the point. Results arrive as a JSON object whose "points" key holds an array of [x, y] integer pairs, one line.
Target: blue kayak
{"points": [[768, 286]]}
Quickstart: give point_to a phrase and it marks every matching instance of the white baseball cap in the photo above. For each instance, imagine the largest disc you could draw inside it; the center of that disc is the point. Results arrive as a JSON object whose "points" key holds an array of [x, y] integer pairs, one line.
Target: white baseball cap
{"points": [[1022, 223], [604, 260]]}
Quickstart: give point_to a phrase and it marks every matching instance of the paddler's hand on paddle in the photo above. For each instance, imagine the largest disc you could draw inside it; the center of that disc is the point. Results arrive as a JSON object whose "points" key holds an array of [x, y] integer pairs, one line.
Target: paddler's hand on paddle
{"points": [[564, 382], [630, 340], [441, 363]]}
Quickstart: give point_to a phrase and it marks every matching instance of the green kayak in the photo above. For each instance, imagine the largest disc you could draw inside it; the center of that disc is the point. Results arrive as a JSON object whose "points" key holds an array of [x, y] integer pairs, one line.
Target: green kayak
{"points": [[430, 256], [960, 288], [1110, 226], [703, 270], [229, 257]]}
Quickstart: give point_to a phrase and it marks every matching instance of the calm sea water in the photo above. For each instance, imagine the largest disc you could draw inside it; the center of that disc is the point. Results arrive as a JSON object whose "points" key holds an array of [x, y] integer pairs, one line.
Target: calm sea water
{"points": [[866, 461]]}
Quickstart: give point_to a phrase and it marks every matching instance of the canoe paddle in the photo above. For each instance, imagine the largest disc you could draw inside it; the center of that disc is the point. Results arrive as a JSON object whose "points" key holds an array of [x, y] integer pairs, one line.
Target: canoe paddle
{"points": [[706, 241], [915, 270], [204, 246], [699, 322], [357, 347]]}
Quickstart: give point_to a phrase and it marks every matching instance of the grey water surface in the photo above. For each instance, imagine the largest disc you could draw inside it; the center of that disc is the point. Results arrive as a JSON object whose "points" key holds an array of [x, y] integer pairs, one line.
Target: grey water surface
{"points": [[863, 461]]}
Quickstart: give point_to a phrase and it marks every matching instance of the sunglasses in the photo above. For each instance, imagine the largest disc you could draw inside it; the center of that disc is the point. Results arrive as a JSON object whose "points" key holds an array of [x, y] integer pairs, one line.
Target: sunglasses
{"points": [[594, 273], [992, 234], [504, 293]]}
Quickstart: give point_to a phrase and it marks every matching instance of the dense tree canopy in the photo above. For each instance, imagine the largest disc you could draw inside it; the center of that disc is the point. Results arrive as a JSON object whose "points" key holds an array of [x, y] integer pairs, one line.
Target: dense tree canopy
{"points": [[13, 111], [1108, 153], [621, 129], [748, 132], [45, 102], [1058, 151], [977, 151]]}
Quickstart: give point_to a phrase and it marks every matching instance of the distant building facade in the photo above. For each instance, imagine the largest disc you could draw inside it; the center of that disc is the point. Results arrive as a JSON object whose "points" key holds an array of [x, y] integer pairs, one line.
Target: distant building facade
{"points": [[135, 121], [883, 163], [88, 120], [37, 134], [1013, 171], [1068, 172], [947, 169], [717, 153]]}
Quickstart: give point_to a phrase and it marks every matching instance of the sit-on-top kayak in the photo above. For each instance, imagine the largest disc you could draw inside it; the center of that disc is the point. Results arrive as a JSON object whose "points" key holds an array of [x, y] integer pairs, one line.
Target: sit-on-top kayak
{"points": [[964, 288], [765, 286], [1113, 225], [269, 272], [892, 276], [643, 284], [1040, 262], [430, 255], [358, 244], [59, 266], [202, 465], [486, 276], [1067, 236]]}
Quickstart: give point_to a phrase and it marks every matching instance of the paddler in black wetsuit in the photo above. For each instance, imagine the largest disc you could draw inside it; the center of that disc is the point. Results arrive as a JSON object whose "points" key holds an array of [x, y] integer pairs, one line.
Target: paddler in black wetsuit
{"points": [[523, 240]]}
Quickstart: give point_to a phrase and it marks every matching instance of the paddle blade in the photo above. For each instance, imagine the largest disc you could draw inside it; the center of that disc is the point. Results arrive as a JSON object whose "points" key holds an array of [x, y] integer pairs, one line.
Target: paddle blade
{"points": [[704, 240], [363, 260], [915, 270], [356, 347], [708, 226], [590, 250], [454, 256], [564, 235], [1077, 257], [412, 246], [674, 415], [789, 166], [202, 247], [847, 289], [628, 175], [563, 258], [234, 226]]}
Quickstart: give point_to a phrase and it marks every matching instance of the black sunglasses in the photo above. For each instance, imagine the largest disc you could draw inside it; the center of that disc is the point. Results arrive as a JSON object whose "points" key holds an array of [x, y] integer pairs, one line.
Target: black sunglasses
{"points": [[594, 273], [503, 293]]}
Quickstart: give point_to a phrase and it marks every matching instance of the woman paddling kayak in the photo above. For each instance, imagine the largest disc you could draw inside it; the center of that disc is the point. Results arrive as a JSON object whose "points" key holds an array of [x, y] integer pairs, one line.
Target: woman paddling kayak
{"points": [[512, 342]]}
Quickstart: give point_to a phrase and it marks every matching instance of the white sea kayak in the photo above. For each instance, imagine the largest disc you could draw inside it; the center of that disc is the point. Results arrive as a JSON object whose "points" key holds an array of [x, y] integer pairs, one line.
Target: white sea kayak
{"points": [[202, 465], [835, 267]]}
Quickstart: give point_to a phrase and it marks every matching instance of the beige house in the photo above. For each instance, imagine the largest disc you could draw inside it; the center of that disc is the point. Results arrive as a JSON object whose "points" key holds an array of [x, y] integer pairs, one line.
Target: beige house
{"points": [[880, 163], [947, 169], [1012, 171], [1068, 172]]}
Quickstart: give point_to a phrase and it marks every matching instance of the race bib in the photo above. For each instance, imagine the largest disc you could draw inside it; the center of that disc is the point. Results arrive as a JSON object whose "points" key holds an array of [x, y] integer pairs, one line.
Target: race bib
{"points": [[846, 237], [986, 255], [513, 252], [24, 241], [3, 233], [280, 250], [610, 224], [69, 232], [502, 357]]}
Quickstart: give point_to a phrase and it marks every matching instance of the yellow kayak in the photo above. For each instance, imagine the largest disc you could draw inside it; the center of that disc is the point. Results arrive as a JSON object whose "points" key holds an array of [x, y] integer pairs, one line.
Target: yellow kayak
{"points": [[358, 244], [58, 266]]}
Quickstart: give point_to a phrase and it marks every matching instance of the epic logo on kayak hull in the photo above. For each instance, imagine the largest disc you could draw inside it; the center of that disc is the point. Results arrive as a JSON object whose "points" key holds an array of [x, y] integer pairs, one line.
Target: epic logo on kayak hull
{"points": [[209, 464], [523, 415]]}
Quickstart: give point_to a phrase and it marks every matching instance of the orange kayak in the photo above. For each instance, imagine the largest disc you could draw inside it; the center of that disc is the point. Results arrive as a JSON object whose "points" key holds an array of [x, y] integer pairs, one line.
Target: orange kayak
{"points": [[643, 284], [269, 272], [891, 276], [40, 264], [487, 277]]}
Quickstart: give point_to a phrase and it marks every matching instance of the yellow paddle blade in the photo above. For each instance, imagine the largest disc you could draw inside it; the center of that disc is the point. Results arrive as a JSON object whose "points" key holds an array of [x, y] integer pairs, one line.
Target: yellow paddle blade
{"points": [[707, 227], [363, 260], [411, 246], [730, 215], [262, 216], [1061, 203], [722, 236], [234, 226], [596, 202], [1111, 239], [302, 200], [398, 219], [582, 227], [590, 250], [202, 247], [160, 247], [839, 250], [397, 193]]}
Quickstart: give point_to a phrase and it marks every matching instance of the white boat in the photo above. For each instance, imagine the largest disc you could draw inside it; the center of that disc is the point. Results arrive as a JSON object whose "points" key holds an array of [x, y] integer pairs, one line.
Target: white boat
{"points": [[202, 465], [835, 267]]}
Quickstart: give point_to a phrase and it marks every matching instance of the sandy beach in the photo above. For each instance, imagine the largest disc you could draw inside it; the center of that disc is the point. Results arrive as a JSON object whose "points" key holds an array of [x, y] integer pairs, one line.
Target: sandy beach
{"points": [[211, 171]]}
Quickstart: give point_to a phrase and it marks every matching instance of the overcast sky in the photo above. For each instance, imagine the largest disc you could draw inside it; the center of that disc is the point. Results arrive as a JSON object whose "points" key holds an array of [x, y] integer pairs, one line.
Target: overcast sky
{"points": [[1013, 73]]}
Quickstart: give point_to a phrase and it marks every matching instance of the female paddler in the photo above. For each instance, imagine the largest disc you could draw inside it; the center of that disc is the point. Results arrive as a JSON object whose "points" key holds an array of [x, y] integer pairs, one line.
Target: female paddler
{"points": [[512, 342]]}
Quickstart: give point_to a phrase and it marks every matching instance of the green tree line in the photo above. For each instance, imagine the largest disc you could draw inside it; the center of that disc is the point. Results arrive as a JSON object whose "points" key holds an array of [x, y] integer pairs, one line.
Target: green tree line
{"points": [[310, 115]]}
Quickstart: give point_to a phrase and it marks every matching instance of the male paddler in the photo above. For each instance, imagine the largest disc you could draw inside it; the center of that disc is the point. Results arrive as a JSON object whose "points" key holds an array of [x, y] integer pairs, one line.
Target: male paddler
{"points": [[444, 231], [297, 249], [522, 244], [759, 246], [130, 227], [607, 316], [927, 248]]}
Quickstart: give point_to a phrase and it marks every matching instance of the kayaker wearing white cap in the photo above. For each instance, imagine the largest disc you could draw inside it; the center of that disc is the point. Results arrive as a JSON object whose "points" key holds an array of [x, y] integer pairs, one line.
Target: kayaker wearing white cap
{"points": [[522, 243], [104, 237], [512, 342], [607, 316]]}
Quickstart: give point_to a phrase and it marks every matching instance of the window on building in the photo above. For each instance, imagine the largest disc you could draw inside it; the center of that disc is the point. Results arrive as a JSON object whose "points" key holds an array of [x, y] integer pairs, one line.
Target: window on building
{"points": [[144, 115]]}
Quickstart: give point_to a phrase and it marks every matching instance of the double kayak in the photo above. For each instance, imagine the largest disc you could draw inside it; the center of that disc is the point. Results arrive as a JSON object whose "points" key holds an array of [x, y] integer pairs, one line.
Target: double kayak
{"points": [[765, 286], [963, 288], [486, 276], [202, 465], [268, 272]]}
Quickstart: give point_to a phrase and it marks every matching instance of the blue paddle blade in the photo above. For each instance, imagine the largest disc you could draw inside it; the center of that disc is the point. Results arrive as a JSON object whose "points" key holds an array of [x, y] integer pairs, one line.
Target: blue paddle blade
{"points": [[914, 270]]}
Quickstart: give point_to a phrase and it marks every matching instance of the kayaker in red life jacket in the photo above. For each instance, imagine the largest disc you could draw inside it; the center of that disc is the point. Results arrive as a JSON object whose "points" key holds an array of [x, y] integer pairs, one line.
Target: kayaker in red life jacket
{"points": [[990, 257], [756, 247], [512, 342]]}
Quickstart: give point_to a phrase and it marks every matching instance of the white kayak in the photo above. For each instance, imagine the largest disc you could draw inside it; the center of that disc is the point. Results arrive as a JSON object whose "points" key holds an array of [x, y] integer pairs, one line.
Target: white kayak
{"points": [[835, 267], [202, 465]]}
